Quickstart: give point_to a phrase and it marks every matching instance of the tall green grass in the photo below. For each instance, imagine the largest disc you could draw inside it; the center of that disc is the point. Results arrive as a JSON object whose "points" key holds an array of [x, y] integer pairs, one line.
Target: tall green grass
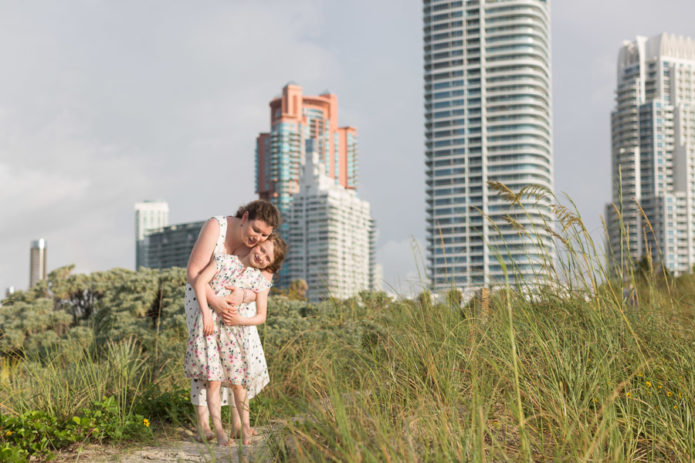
{"points": [[63, 382], [440, 383], [561, 368]]}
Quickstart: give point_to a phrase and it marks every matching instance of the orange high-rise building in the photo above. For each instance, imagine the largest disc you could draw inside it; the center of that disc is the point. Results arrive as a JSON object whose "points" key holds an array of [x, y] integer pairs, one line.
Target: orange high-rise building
{"points": [[294, 119]]}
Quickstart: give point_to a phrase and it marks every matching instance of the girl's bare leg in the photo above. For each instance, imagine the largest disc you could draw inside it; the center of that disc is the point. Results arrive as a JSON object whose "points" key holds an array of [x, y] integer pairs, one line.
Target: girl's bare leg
{"points": [[236, 420], [242, 405], [215, 407], [236, 423]]}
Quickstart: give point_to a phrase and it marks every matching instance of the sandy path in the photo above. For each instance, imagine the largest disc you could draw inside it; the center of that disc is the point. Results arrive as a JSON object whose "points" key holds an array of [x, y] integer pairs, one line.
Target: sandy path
{"points": [[180, 447]]}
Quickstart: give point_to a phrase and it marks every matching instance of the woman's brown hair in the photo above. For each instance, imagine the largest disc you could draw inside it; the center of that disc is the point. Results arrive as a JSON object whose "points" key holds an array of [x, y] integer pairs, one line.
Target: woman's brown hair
{"points": [[261, 209]]}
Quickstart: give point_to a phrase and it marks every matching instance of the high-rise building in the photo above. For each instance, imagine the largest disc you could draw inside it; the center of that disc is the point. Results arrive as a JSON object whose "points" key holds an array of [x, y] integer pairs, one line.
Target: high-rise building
{"points": [[37, 261], [294, 119], [331, 236], [170, 246], [149, 215], [653, 154], [487, 119]]}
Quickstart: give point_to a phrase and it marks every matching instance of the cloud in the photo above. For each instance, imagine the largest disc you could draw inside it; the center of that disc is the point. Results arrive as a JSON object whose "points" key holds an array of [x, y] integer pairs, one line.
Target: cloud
{"points": [[403, 265], [35, 190], [106, 104]]}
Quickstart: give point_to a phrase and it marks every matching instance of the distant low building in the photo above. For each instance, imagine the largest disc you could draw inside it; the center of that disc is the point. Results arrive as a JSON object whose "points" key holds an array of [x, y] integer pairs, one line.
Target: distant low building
{"points": [[149, 215], [37, 261], [170, 246]]}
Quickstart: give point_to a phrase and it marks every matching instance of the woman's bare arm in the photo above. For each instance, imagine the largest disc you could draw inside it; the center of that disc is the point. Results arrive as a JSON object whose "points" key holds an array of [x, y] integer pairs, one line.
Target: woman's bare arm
{"points": [[261, 310], [201, 254], [241, 295], [199, 285], [202, 249]]}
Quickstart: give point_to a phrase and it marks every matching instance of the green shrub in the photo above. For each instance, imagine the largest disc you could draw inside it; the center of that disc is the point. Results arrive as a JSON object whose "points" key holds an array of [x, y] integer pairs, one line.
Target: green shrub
{"points": [[167, 406], [104, 421], [39, 433]]}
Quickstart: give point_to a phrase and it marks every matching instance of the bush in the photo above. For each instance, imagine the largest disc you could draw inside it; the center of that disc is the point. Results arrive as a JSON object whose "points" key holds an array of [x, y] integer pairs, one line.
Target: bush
{"points": [[39, 433]]}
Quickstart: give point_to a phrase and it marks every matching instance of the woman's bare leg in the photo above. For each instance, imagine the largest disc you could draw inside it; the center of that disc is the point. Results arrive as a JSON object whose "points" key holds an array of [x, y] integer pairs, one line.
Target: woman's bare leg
{"points": [[199, 400], [215, 407]]}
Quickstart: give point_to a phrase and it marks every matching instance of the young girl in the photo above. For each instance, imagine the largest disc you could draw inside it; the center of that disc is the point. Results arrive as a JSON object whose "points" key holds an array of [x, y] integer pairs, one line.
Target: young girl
{"points": [[217, 353]]}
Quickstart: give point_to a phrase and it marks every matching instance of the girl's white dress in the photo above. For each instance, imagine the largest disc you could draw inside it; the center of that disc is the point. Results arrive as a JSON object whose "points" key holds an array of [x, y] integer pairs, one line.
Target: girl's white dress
{"points": [[233, 354]]}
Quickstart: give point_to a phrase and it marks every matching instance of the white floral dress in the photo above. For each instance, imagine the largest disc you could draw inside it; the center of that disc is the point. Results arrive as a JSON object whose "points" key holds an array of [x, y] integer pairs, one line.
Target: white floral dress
{"points": [[232, 354], [248, 369]]}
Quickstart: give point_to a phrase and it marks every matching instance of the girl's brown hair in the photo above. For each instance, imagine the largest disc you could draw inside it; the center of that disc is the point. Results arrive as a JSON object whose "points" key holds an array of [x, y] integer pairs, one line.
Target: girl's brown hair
{"points": [[279, 251]]}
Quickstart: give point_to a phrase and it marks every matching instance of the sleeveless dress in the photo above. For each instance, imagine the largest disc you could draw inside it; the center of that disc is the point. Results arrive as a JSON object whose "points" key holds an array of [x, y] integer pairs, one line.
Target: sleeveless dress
{"points": [[250, 368], [232, 354]]}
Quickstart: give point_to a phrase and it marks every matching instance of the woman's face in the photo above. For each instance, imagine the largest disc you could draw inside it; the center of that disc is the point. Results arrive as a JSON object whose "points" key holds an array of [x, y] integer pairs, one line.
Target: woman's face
{"points": [[254, 232], [262, 255]]}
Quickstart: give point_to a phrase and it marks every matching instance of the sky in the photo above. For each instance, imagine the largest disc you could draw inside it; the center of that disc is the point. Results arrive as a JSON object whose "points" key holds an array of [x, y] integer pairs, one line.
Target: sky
{"points": [[107, 103]]}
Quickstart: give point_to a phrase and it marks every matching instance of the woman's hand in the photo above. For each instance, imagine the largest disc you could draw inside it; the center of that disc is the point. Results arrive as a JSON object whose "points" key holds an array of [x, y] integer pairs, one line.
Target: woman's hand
{"points": [[235, 297], [218, 304], [243, 295], [208, 325], [222, 304]]}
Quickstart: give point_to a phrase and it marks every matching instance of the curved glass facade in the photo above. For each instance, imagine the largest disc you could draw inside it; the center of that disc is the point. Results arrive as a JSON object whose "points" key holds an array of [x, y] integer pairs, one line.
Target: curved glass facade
{"points": [[487, 119]]}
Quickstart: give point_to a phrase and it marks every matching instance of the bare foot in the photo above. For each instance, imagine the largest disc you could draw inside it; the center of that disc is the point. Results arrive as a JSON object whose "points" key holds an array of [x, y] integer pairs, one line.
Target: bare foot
{"points": [[205, 436], [223, 440], [246, 433], [236, 432]]}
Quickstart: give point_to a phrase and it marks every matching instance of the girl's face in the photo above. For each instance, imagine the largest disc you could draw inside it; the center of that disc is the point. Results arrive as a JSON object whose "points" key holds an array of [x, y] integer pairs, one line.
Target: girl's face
{"points": [[262, 255]]}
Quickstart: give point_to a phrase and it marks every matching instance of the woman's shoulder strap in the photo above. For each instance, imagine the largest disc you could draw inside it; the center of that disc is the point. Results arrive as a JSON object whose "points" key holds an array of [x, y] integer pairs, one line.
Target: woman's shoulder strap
{"points": [[222, 221]]}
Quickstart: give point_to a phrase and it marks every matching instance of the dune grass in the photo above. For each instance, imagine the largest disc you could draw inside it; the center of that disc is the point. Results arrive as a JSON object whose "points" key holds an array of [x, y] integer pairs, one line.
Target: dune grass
{"points": [[552, 379], [562, 368]]}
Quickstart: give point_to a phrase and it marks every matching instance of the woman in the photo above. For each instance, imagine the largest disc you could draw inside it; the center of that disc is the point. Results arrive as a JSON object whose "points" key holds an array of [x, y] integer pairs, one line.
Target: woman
{"points": [[253, 223]]}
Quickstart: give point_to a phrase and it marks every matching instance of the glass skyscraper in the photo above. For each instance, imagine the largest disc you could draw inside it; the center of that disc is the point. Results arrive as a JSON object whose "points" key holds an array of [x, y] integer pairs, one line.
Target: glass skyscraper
{"points": [[487, 119]]}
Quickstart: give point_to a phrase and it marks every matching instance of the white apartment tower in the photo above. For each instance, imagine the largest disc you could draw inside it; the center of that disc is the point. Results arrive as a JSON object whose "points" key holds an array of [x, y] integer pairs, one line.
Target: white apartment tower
{"points": [[149, 215], [331, 236], [487, 119], [653, 154]]}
